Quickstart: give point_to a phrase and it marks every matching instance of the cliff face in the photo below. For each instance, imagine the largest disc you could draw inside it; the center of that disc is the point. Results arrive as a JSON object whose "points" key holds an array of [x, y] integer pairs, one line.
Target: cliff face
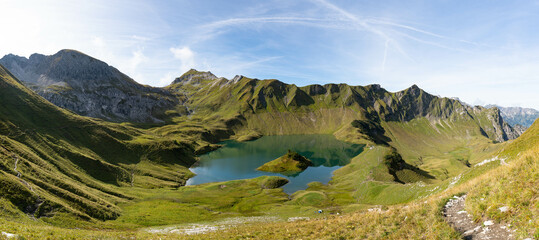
{"points": [[89, 87]]}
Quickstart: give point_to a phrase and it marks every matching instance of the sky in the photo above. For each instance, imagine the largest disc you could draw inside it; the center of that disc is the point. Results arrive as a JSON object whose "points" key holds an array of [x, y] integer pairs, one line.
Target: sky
{"points": [[481, 51]]}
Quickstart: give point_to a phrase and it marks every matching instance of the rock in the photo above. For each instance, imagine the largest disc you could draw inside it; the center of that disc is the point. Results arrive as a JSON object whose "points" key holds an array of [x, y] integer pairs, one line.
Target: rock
{"points": [[9, 235], [503, 209], [488, 223], [194, 77], [293, 219]]}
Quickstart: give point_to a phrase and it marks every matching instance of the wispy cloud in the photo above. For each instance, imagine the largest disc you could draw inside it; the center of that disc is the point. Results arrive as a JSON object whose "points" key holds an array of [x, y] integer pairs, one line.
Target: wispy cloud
{"points": [[349, 16], [238, 21]]}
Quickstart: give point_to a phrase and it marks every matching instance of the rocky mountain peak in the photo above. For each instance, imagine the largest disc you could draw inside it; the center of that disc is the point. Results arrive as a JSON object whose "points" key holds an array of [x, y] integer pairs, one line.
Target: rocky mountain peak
{"points": [[414, 90], [66, 67], [194, 77], [90, 87], [237, 78]]}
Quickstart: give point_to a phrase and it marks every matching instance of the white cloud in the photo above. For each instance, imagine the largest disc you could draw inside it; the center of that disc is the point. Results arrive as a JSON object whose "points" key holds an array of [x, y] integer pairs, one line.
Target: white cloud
{"points": [[137, 58], [186, 57]]}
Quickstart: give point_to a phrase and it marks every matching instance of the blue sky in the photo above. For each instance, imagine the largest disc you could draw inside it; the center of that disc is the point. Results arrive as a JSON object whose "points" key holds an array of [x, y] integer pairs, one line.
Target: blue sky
{"points": [[480, 51]]}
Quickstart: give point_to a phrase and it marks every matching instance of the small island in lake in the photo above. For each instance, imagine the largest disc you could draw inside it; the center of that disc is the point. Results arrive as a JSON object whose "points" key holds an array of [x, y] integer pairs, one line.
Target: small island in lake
{"points": [[289, 164]]}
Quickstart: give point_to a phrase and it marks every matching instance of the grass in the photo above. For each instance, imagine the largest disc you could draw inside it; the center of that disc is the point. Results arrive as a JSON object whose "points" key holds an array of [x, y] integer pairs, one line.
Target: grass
{"points": [[290, 163], [515, 187], [204, 202]]}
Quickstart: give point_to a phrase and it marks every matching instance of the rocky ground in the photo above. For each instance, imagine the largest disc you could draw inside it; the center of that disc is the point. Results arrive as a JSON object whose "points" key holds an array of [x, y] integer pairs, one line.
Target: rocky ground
{"points": [[198, 228], [459, 219]]}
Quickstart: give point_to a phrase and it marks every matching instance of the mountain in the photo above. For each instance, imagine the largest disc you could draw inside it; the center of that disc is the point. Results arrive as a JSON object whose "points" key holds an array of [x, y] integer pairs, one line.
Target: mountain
{"points": [[54, 162], [434, 138], [273, 107], [89, 87], [518, 116]]}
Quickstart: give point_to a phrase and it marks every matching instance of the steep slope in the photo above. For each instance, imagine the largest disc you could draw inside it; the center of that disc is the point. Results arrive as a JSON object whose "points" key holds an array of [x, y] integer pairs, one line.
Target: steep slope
{"points": [[55, 162], [89, 87]]}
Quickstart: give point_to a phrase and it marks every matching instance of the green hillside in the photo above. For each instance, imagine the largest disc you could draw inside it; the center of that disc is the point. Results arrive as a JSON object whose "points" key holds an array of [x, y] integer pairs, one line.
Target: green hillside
{"points": [[76, 165], [273, 107]]}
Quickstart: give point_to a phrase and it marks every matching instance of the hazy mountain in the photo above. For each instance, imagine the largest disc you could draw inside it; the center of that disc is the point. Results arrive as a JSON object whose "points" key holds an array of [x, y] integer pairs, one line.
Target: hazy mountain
{"points": [[90, 87], [518, 116]]}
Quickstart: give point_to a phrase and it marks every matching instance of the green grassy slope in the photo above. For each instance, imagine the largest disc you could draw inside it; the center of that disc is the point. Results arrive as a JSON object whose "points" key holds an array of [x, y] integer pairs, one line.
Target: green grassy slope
{"points": [[515, 186], [273, 107], [72, 164]]}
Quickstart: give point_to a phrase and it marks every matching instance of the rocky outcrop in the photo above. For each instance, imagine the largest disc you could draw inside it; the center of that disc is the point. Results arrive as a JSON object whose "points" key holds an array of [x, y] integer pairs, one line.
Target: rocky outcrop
{"points": [[194, 77], [90, 87]]}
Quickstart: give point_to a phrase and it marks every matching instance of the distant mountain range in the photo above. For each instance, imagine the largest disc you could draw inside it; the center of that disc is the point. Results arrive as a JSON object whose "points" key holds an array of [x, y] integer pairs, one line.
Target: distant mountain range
{"points": [[517, 115]]}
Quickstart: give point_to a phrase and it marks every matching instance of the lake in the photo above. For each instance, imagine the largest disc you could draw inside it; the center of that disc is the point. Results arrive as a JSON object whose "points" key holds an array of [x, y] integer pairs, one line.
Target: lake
{"points": [[239, 160]]}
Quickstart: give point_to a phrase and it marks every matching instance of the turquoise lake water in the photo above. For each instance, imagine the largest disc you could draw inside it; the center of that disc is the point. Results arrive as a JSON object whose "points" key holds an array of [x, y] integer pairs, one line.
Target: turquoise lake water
{"points": [[239, 160]]}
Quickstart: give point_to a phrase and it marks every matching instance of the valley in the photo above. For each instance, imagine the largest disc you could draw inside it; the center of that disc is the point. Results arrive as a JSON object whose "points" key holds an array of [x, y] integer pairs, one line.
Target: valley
{"points": [[384, 162]]}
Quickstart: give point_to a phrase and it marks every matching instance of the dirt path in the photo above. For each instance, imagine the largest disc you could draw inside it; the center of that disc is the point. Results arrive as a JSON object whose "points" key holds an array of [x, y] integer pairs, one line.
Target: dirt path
{"points": [[38, 201], [19, 174], [15, 169], [459, 219]]}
